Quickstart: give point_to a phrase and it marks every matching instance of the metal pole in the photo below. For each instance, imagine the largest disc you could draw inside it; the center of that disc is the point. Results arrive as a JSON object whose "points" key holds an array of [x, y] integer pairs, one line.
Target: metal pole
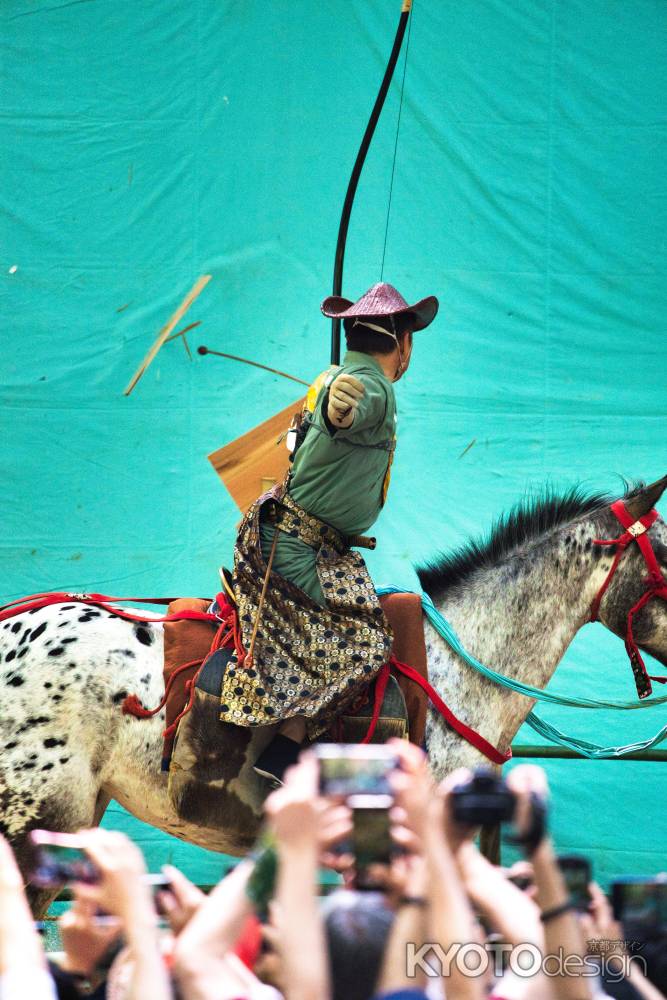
{"points": [[490, 836], [562, 753]]}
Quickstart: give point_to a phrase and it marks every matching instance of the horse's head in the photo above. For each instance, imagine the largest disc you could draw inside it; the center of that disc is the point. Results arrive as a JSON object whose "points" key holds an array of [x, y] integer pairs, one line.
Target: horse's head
{"points": [[632, 577]]}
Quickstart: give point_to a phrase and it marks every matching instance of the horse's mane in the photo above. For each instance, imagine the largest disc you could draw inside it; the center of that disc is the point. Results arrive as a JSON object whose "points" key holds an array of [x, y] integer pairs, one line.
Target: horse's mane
{"points": [[527, 521]]}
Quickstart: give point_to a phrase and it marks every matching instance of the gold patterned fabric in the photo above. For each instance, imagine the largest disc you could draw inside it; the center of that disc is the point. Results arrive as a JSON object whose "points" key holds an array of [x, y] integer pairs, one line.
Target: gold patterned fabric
{"points": [[307, 660]]}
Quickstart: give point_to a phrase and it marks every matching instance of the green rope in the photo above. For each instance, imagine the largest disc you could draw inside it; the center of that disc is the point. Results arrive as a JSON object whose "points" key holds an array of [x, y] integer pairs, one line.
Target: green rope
{"points": [[591, 750]]}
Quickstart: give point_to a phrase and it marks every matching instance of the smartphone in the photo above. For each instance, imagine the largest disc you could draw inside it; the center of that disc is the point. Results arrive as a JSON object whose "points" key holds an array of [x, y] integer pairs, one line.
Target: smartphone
{"points": [[355, 769], [640, 903], [59, 858], [578, 875], [158, 883], [371, 836]]}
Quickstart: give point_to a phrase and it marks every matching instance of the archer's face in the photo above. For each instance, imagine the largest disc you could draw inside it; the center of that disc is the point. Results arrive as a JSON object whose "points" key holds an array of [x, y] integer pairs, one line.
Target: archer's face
{"points": [[403, 356]]}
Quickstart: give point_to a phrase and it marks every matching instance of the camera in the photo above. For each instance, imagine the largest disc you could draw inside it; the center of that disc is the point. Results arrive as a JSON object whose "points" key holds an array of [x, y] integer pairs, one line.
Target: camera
{"points": [[640, 904], [59, 859], [484, 800]]}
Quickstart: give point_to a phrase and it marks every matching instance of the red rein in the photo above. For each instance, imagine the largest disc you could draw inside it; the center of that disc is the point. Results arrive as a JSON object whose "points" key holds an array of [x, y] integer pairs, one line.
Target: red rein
{"points": [[471, 735], [656, 586]]}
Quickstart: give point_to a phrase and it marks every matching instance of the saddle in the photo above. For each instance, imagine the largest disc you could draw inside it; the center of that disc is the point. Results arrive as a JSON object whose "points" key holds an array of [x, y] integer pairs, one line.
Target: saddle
{"points": [[211, 778], [403, 711]]}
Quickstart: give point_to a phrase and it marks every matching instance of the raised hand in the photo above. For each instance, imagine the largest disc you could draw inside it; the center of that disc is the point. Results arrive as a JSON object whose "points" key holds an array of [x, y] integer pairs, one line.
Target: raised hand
{"points": [[86, 939], [345, 393], [181, 900], [121, 890], [294, 811]]}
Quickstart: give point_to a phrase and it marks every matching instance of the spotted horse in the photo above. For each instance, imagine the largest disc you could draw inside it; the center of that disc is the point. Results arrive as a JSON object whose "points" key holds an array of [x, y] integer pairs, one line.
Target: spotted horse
{"points": [[515, 599]]}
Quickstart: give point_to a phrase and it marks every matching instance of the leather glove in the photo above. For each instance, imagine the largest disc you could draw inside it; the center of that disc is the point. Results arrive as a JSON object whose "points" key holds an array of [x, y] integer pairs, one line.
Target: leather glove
{"points": [[344, 395]]}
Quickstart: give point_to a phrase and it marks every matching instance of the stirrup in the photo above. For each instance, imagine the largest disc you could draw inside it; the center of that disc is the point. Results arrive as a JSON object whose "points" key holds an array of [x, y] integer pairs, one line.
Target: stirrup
{"points": [[227, 583]]}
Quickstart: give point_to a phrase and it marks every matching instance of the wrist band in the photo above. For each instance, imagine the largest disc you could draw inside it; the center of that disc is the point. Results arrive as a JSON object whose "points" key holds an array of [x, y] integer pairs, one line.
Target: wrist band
{"points": [[412, 901], [557, 911]]}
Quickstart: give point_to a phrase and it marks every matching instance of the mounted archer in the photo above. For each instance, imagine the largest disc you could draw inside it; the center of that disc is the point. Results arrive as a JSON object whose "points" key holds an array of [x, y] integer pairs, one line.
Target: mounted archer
{"points": [[311, 625]]}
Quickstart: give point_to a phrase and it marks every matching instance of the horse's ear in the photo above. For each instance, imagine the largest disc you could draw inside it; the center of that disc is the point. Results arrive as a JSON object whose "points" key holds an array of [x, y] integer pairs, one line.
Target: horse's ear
{"points": [[646, 499]]}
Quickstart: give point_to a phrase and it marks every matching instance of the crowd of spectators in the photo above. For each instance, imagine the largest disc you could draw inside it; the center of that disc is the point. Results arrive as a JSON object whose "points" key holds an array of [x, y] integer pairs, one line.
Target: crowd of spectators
{"points": [[439, 921]]}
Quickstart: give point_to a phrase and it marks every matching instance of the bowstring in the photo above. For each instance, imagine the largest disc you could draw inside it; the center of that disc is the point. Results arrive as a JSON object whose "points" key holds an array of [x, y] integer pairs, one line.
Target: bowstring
{"points": [[398, 129]]}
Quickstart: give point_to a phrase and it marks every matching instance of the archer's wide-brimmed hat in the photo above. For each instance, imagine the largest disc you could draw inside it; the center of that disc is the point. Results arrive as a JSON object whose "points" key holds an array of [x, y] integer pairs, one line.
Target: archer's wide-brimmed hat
{"points": [[381, 300]]}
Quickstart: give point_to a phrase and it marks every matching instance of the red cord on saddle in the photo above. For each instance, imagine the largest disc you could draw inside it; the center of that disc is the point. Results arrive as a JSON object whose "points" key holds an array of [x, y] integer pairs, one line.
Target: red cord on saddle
{"points": [[380, 687], [190, 687], [229, 634], [37, 601], [132, 705]]}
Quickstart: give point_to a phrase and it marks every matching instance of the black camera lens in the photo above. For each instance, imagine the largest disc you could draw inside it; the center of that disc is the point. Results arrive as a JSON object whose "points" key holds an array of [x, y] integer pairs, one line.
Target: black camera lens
{"points": [[484, 800]]}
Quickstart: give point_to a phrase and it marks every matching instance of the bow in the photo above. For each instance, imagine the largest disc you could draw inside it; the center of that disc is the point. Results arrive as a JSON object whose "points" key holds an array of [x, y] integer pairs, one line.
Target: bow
{"points": [[356, 172]]}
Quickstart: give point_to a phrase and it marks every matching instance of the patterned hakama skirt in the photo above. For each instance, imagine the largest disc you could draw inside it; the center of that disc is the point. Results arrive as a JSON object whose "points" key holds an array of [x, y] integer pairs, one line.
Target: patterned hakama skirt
{"points": [[306, 660]]}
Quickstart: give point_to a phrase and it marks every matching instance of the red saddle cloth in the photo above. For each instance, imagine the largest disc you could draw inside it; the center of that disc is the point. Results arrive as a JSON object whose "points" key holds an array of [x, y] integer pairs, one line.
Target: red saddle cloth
{"points": [[190, 641]]}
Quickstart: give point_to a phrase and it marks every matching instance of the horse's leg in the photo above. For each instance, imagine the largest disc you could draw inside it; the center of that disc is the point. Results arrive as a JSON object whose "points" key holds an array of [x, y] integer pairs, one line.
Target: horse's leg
{"points": [[101, 803], [489, 843], [64, 813]]}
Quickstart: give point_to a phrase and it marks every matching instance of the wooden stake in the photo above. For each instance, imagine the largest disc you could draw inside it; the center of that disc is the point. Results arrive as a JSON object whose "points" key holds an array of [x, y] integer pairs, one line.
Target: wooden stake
{"points": [[166, 330]]}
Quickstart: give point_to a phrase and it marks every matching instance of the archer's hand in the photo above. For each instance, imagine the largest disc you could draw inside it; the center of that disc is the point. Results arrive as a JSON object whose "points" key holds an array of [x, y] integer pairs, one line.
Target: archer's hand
{"points": [[344, 395]]}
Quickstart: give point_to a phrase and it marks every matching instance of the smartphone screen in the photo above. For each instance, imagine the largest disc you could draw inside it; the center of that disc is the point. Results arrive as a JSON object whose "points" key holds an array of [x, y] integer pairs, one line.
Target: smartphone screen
{"points": [[371, 833], [59, 864], [577, 874], [371, 836], [353, 769]]}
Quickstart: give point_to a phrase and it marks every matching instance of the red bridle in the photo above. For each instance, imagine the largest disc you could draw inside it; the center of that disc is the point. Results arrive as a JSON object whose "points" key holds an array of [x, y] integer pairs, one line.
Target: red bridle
{"points": [[656, 585]]}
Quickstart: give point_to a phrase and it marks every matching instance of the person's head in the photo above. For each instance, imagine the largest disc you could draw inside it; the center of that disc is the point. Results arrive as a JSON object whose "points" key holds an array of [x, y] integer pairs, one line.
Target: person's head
{"points": [[381, 323], [388, 338], [357, 926]]}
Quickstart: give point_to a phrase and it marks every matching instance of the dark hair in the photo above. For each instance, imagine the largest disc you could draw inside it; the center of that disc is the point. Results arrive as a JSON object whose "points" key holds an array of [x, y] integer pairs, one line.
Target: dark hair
{"points": [[651, 952], [357, 926], [360, 338], [654, 954]]}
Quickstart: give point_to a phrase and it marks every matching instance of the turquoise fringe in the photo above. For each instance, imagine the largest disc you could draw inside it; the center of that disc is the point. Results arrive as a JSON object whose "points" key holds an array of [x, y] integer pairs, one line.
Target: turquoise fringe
{"points": [[585, 749]]}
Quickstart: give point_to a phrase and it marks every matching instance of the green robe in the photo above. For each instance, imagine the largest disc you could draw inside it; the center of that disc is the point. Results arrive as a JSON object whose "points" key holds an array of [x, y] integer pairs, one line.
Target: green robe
{"points": [[339, 476]]}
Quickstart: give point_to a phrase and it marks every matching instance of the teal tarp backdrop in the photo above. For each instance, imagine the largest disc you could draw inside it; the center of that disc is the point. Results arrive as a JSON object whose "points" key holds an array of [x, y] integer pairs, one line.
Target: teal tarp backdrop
{"points": [[144, 144]]}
